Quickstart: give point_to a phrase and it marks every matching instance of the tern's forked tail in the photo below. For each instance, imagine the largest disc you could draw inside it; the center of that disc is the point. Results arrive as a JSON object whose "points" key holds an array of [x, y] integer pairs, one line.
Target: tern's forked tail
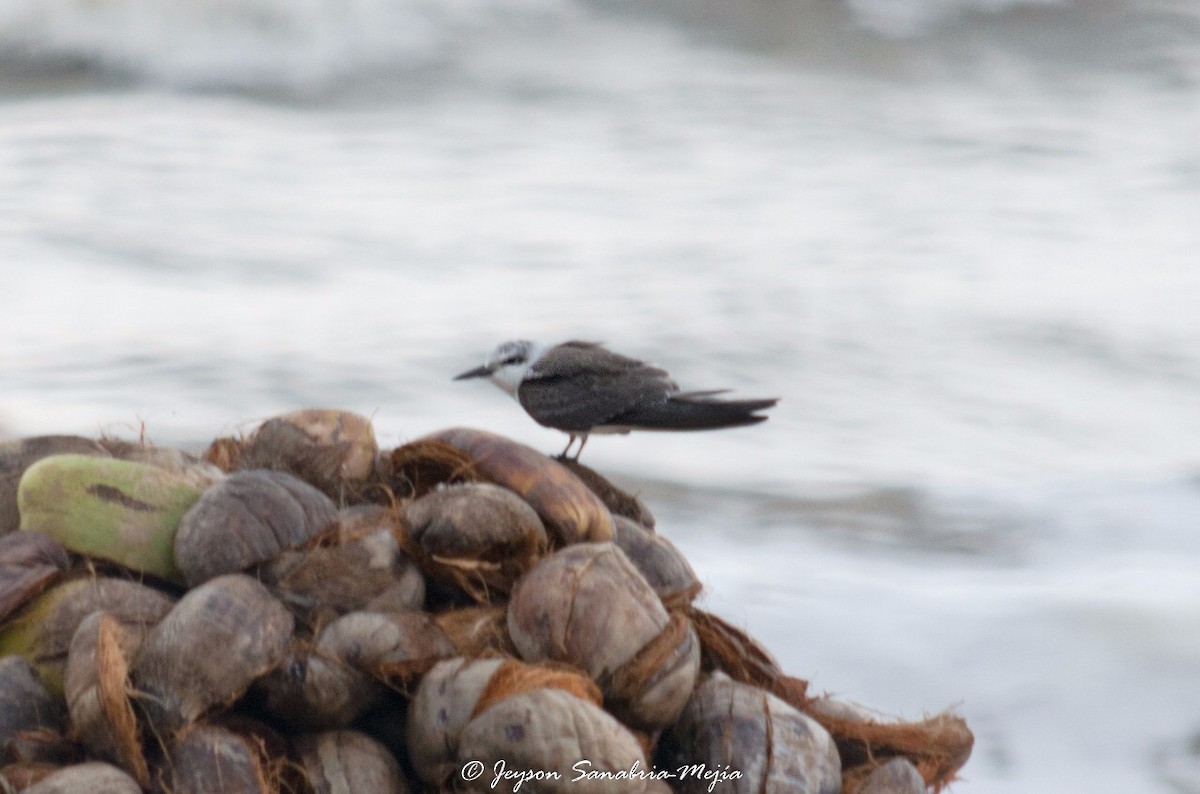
{"points": [[695, 412]]}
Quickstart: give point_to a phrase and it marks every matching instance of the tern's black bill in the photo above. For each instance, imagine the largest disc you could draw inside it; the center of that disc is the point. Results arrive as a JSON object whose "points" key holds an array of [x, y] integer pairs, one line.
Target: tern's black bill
{"points": [[478, 372]]}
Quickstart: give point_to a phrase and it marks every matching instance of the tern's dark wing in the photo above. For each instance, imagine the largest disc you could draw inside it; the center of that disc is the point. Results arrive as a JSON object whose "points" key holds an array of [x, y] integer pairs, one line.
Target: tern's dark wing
{"points": [[576, 386]]}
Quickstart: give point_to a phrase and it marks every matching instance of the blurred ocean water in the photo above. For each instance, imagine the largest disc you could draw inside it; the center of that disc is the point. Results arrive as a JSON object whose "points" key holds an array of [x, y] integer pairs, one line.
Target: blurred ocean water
{"points": [[956, 237]]}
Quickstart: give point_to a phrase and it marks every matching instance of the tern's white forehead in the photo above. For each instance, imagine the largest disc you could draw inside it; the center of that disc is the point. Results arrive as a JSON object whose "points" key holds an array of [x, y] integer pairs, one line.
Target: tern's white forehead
{"points": [[510, 362], [516, 351]]}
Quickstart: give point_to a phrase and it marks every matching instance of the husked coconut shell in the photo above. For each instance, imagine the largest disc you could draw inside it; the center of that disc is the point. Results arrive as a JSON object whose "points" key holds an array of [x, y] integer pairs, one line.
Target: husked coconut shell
{"points": [[25, 704], [29, 563], [897, 776], [657, 559], [442, 735], [579, 745], [316, 689], [477, 536], [392, 646], [332, 450], [344, 762], [365, 570], [209, 649], [443, 704], [570, 512], [335, 680], [212, 759], [93, 777], [246, 519], [772, 746], [604, 618]]}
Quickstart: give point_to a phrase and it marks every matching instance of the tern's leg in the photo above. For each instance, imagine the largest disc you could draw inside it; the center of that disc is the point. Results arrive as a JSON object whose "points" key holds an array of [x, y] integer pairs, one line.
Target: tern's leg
{"points": [[582, 440], [570, 440]]}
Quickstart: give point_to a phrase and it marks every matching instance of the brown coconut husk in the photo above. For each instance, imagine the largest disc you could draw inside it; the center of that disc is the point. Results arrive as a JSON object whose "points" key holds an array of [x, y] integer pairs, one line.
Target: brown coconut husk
{"points": [[735, 653], [938, 746], [618, 501], [322, 583], [419, 467], [97, 690], [356, 565], [477, 631], [332, 450], [330, 682], [112, 666], [681, 600], [512, 678], [225, 453], [40, 746], [21, 775]]}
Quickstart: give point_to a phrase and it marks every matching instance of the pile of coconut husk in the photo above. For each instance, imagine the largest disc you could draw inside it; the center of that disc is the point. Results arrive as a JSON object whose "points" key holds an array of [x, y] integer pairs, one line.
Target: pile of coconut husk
{"points": [[299, 611]]}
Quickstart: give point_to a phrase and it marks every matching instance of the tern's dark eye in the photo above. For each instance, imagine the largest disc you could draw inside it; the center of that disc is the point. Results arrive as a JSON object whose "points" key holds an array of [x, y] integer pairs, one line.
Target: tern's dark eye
{"points": [[512, 360]]}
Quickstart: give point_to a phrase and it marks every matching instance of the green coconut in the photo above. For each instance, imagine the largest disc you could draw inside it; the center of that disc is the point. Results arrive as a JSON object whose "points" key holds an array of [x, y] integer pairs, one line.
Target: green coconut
{"points": [[116, 510], [41, 632]]}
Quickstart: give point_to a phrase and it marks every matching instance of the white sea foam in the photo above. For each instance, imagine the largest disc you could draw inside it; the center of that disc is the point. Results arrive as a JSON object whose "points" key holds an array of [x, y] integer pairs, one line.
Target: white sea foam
{"points": [[249, 43], [312, 46]]}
